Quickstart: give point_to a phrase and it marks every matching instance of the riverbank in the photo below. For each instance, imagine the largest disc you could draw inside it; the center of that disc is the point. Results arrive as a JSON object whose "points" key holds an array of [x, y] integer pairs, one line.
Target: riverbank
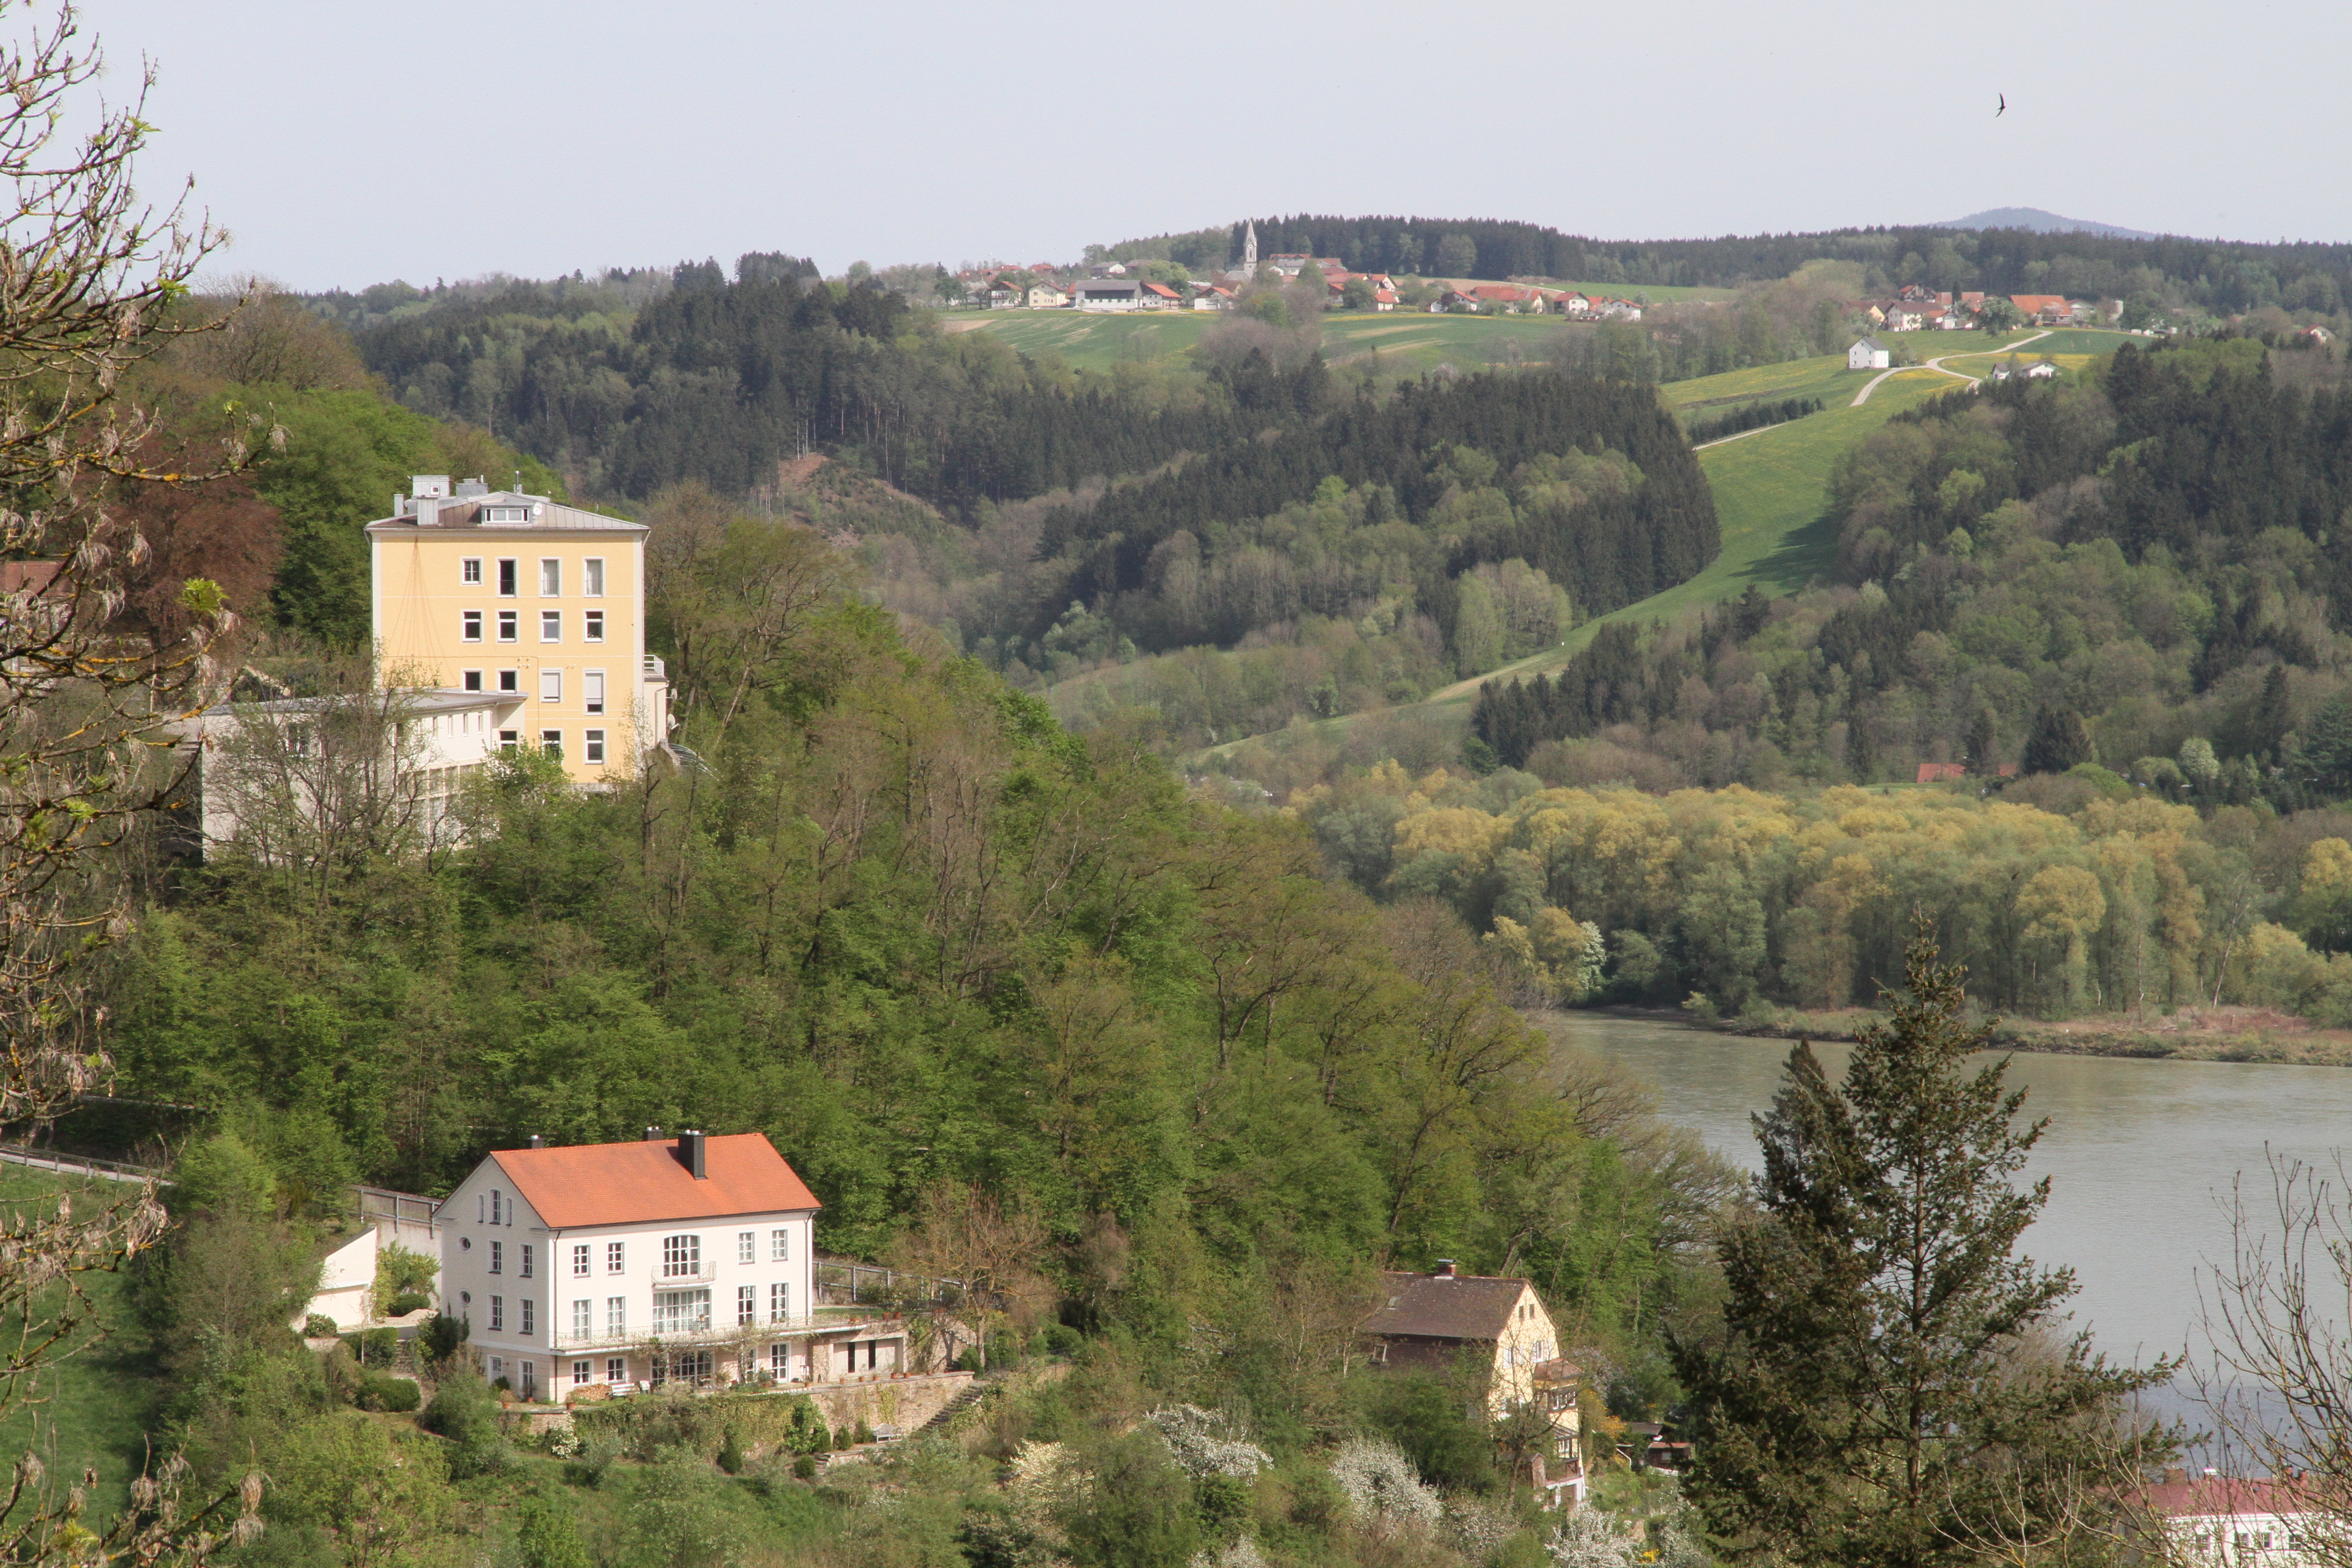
{"points": [[2192, 1034]]}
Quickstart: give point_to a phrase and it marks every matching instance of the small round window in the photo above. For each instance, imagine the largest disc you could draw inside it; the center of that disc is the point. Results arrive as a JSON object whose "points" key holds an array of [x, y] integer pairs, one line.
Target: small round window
{"points": [[466, 1298], [464, 1244]]}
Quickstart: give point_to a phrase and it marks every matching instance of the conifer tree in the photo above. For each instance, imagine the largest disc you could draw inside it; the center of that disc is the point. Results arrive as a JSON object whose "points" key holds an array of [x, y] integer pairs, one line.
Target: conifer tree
{"points": [[2060, 740], [1890, 1387]]}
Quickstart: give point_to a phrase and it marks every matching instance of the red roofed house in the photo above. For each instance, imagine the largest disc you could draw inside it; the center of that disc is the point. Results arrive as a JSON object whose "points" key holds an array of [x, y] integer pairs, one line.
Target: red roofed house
{"points": [[1160, 297], [1940, 772], [619, 1264], [1504, 296], [1435, 1320], [2047, 309], [2228, 1520]]}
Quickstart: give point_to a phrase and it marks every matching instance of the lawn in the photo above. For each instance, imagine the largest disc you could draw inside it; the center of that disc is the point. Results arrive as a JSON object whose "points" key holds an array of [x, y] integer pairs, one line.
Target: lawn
{"points": [[94, 1406]]}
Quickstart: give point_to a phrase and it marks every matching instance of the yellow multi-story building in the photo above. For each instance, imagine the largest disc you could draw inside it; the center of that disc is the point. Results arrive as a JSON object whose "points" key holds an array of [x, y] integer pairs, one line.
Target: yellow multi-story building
{"points": [[518, 597]]}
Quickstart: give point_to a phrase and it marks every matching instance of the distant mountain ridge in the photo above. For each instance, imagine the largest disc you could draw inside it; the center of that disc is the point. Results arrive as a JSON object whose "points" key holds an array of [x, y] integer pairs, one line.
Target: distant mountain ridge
{"points": [[2037, 220]]}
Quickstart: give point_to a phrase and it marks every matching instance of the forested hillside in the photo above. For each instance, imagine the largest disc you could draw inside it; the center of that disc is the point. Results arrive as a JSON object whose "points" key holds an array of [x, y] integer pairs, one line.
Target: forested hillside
{"points": [[987, 983], [2146, 559], [1056, 522]]}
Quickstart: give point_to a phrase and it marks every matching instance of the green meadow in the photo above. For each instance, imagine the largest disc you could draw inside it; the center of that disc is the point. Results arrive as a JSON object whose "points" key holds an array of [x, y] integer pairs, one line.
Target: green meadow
{"points": [[90, 1408], [1404, 343], [1825, 377]]}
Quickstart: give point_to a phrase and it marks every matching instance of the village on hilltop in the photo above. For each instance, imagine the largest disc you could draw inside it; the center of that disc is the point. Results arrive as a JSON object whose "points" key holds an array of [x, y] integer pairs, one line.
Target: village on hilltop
{"points": [[1118, 286]]}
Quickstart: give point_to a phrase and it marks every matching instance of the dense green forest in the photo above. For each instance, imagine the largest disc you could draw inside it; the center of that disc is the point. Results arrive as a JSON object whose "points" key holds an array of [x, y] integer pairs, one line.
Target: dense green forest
{"points": [[2068, 894]]}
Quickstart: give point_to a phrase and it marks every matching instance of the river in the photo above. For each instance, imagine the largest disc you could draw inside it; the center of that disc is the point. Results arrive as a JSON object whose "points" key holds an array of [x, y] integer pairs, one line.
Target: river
{"points": [[2141, 1155]]}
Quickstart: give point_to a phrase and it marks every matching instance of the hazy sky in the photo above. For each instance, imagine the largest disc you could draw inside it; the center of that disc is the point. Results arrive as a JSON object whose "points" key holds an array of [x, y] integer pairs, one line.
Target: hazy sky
{"points": [[345, 144]]}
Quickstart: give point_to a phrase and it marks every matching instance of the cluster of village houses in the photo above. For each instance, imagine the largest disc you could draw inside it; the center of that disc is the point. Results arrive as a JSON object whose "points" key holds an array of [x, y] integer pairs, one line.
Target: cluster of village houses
{"points": [[1112, 287], [1915, 309]]}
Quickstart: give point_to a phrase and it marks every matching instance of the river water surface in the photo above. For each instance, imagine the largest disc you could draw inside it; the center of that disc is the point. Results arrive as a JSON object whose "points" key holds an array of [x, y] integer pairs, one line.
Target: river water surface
{"points": [[2141, 1155]]}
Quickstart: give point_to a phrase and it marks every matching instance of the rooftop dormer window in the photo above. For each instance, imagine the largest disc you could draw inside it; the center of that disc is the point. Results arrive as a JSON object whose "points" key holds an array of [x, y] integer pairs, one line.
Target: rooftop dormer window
{"points": [[506, 514]]}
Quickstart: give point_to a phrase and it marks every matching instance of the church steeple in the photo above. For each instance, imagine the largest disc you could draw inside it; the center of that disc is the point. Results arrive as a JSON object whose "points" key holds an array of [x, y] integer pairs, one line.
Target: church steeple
{"points": [[1249, 250]]}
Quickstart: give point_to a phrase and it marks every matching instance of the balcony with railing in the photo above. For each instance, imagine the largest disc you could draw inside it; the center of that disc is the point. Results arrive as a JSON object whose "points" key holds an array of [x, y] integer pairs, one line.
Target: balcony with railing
{"points": [[714, 1332]]}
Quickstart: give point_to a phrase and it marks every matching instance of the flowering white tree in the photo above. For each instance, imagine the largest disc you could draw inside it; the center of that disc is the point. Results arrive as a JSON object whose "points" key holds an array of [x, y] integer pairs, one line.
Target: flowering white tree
{"points": [[1382, 1489], [1206, 1444], [89, 280]]}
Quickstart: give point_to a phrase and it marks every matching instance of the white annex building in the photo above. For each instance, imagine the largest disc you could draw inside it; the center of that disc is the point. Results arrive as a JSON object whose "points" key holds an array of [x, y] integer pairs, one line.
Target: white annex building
{"points": [[629, 1264], [1868, 354]]}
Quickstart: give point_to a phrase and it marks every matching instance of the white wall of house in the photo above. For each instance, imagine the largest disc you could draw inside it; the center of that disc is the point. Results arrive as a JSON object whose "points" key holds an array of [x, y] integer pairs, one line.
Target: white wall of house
{"points": [[521, 1286], [1528, 1341], [347, 1283], [446, 738]]}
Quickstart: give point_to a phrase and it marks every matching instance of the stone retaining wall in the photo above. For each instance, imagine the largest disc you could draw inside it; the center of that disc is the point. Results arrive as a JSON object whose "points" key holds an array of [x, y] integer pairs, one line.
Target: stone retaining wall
{"points": [[905, 1403]]}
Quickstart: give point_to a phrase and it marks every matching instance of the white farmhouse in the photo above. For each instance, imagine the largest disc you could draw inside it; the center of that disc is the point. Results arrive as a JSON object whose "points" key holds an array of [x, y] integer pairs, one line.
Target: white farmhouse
{"points": [[2236, 1521], [1868, 354], [625, 1264]]}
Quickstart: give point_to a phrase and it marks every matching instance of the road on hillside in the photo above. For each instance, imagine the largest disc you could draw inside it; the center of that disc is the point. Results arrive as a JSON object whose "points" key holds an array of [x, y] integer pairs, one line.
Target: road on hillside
{"points": [[1937, 364]]}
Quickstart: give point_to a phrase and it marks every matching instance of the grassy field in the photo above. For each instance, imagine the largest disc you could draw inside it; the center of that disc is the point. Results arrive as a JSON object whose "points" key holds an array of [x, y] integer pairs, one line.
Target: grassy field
{"points": [[94, 1406], [1405, 342], [1090, 339], [1421, 341], [1825, 377]]}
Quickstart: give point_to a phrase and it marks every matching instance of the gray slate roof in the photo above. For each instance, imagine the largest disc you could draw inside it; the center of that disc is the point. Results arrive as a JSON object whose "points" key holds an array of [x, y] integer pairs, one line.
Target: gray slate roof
{"points": [[1467, 1307], [547, 516]]}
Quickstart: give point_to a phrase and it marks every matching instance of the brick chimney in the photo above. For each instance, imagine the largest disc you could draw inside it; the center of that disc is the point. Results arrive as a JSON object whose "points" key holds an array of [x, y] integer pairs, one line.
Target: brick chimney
{"points": [[1444, 1269], [690, 1154]]}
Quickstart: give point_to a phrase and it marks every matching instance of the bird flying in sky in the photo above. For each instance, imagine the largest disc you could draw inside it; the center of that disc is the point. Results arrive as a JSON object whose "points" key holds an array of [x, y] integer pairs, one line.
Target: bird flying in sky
{"points": [[2004, 106]]}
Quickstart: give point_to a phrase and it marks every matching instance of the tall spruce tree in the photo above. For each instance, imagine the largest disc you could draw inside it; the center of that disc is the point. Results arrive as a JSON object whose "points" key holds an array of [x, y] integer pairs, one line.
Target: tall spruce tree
{"points": [[2060, 740], [1891, 1388]]}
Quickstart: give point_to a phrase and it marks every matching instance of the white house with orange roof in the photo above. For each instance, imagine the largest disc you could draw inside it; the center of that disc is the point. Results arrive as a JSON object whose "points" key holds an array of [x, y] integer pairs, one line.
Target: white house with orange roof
{"points": [[608, 1267]]}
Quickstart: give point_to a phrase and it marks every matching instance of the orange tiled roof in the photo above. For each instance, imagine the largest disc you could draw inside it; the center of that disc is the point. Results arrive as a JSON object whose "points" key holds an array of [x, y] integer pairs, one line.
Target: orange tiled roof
{"points": [[624, 1183]]}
